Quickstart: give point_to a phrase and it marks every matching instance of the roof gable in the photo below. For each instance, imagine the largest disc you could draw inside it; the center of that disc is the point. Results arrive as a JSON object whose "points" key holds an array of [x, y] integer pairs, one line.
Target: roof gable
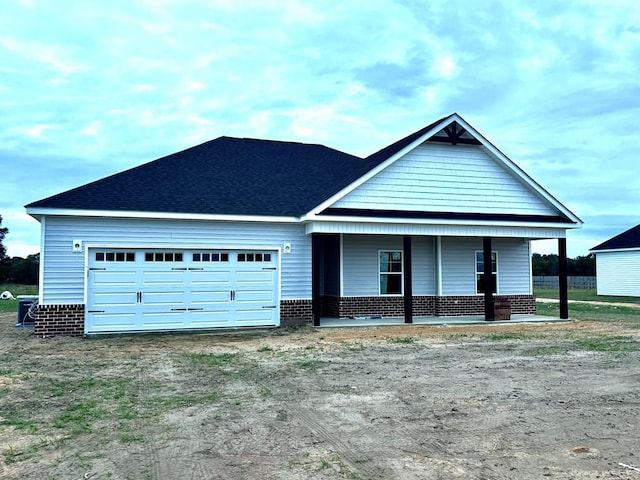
{"points": [[627, 239], [446, 167]]}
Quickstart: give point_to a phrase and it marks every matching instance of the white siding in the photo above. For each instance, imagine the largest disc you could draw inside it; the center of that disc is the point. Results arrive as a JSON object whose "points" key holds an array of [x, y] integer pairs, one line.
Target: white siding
{"points": [[360, 264], [64, 270], [458, 265], [618, 273], [441, 177]]}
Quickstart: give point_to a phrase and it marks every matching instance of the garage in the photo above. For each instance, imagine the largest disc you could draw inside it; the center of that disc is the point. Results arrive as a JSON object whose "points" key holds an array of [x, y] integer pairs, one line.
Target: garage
{"points": [[180, 289]]}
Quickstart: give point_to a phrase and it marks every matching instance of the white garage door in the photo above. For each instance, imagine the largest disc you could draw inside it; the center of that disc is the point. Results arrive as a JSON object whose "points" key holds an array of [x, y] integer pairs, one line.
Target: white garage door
{"points": [[146, 290]]}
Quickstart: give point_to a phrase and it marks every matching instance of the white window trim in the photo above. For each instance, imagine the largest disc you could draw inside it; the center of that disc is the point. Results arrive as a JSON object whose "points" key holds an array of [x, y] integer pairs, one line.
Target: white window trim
{"points": [[475, 271], [401, 272]]}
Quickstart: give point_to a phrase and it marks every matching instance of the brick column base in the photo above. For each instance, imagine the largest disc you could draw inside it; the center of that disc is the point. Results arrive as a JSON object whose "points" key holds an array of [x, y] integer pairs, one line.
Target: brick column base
{"points": [[53, 320]]}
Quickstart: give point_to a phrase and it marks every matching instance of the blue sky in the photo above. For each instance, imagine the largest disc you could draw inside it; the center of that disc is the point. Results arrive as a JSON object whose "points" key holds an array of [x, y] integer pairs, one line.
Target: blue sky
{"points": [[90, 88]]}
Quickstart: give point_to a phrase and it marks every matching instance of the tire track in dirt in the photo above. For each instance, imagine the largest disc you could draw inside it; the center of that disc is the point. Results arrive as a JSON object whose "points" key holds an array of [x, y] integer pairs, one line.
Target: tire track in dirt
{"points": [[358, 461], [176, 458]]}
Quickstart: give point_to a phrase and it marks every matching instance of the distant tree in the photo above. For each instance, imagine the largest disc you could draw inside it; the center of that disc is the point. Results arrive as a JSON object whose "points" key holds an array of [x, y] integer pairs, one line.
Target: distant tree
{"points": [[547, 265], [3, 233], [20, 270]]}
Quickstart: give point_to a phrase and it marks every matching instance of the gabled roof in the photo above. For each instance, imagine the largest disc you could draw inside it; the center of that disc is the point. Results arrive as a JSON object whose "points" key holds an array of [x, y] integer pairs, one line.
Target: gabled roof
{"points": [[230, 176], [627, 239], [249, 177]]}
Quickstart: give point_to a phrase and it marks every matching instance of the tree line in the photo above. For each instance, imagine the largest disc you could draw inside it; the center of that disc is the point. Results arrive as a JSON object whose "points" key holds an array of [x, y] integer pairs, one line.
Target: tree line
{"points": [[547, 265], [17, 269]]}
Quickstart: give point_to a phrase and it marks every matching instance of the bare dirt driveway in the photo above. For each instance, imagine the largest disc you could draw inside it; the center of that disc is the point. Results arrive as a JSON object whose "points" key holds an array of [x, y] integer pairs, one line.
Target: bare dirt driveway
{"points": [[557, 401]]}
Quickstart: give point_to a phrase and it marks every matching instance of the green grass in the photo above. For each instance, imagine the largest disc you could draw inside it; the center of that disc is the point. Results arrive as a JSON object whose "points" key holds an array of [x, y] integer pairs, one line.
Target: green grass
{"points": [[627, 316], [15, 289], [213, 359], [402, 340], [583, 295]]}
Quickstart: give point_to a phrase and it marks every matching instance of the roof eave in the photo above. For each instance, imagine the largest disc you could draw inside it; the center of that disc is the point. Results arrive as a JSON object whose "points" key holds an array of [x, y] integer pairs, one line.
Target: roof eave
{"points": [[39, 212]]}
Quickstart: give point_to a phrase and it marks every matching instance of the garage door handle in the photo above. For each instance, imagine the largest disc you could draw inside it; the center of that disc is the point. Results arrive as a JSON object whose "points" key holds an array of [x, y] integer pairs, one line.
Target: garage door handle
{"points": [[268, 306], [179, 309], [194, 309], [268, 268], [232, 295]]}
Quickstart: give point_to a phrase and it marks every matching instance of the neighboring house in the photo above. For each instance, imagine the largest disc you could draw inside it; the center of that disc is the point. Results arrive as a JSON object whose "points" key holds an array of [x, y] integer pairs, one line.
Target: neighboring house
{"points": [[618, 264], [243, 232]]}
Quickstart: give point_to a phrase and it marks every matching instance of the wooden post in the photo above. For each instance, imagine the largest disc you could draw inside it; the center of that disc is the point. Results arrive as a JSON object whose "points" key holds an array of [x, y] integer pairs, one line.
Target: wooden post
{"points": [[408, 283], [488, 279], [562, 278], [316, 300]]}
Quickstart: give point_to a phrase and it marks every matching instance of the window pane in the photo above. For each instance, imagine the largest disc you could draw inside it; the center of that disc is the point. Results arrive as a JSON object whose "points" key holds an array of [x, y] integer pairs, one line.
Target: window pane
{"points": [[100, 257], [390, 284], [258, 257], [267, 257], [159, 257], [120, 257], [196, 257], [148, 257], [110, 256], [131, 257], [215, 257], [224, 257], [384, 261], [241, 257], [396, 256], [178, 257], [168, 257]]}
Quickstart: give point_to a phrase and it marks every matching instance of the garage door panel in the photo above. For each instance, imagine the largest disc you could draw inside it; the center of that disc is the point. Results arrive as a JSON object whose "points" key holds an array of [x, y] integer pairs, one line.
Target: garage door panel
{"points": [[173, 290]]}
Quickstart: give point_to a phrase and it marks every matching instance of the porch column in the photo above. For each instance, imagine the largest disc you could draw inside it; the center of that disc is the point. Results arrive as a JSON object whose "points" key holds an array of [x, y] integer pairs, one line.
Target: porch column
{"points": [[408, 283], [562, 278], [488, 279], [316, 300]]}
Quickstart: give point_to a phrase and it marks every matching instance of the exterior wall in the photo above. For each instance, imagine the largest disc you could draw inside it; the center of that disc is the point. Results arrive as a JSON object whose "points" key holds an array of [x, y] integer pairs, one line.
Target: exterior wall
{"points": [[447, 178], [458, 265], [63, 270], [455, 305], [360, 263], [618, 273]]}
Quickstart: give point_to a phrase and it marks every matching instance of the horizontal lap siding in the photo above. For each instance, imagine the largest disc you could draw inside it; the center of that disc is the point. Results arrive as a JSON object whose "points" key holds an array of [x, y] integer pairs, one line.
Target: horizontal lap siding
{"points": [[64, 269], [360, 263], [440, 177], [458, 265], [618, 273]]}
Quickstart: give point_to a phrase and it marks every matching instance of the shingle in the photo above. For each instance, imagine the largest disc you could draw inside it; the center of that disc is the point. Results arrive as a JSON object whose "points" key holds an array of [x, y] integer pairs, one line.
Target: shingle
{"points": [[627, 239], [231, 176]]}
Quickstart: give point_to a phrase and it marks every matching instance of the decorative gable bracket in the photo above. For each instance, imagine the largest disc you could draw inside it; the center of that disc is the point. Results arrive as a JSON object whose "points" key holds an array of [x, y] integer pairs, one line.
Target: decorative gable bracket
{"points": [[454, 132]]}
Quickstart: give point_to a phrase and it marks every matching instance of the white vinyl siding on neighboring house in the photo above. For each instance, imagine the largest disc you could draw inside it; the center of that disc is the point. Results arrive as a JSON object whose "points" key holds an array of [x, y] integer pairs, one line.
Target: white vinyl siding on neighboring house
{"points": [[459, 265], [64, 270], [361, 263], [618, 273], [447, 178]]}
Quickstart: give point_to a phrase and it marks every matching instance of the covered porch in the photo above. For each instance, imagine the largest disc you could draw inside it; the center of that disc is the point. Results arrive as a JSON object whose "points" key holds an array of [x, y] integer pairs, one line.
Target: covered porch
{"points": [[333, 303]]}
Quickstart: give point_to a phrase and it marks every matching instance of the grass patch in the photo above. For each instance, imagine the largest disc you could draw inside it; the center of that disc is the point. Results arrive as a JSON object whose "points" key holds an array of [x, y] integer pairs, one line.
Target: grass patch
{"points": [[583, 295], [499, 337], [402, 340], [79, 417], [310, 364], [15, 289], [17, 421], [627, 316], [606, 343], [264, 349]]}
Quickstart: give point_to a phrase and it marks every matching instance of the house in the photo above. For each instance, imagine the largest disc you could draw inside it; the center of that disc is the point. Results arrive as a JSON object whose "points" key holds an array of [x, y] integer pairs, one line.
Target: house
{"points": [[244, 232], [618, 264]]}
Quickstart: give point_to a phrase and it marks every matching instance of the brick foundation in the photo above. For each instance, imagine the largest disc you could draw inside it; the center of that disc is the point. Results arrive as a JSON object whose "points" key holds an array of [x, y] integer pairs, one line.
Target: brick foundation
{"points": [[53, 320], [459, 305], [295, 312]]}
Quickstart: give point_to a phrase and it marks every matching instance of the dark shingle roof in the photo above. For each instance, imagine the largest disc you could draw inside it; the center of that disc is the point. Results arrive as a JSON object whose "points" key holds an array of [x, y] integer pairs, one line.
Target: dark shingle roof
{"points": [[627, 239], [230, 176]]}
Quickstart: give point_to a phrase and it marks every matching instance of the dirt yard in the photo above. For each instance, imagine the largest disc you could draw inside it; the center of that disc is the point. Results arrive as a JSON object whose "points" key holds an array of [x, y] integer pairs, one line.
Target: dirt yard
{"points": [[558, 401]]}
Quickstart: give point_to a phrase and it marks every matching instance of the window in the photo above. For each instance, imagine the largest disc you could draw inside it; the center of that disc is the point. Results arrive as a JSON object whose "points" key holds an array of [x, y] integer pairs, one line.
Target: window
{"points": [[115, 257], [254, 257], [162, 257], [390, 272], [211, 257], [480, 271]]}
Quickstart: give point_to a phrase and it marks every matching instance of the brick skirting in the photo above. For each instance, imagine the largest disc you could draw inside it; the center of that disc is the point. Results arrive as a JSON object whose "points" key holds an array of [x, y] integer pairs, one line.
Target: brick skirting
{"points": [[459, 305], [53, 320], [295, 312]]}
